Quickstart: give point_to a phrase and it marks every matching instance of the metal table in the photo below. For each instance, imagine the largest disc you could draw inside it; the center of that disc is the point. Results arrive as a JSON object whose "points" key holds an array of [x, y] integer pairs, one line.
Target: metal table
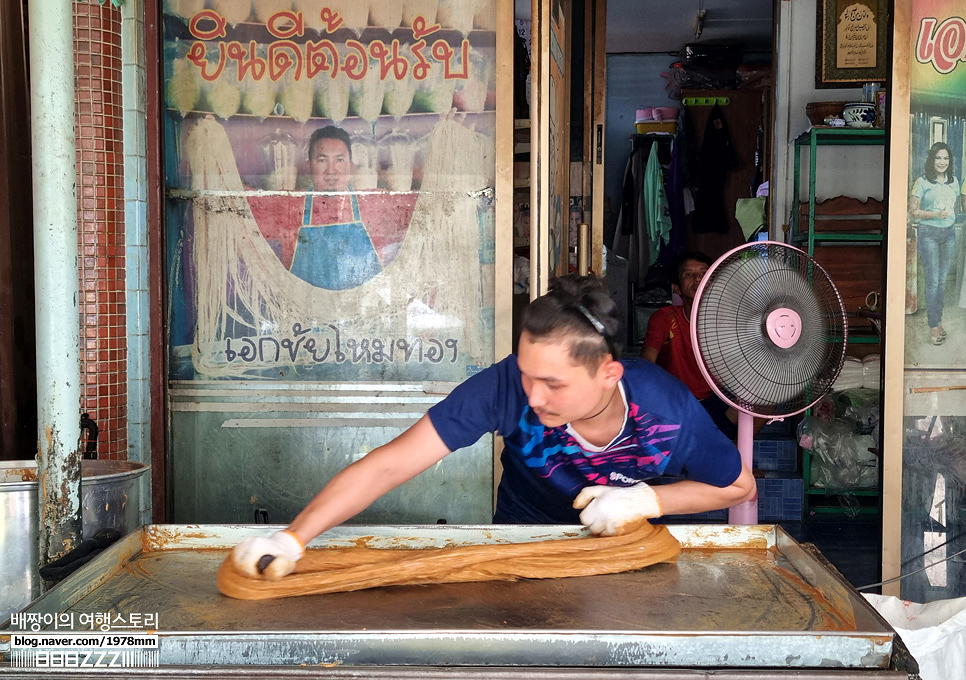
{"points": [[748, 600]]}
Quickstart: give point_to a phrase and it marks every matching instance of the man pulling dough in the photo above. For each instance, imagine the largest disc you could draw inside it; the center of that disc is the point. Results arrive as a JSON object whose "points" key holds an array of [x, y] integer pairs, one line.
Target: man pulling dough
{"points": [[588, 437]]}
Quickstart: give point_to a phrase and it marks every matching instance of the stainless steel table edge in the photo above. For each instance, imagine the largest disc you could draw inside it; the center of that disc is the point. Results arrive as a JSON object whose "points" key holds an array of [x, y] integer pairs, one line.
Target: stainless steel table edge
{"points": [[530, 648], [435, 673], [83, 581], [863, 648]]}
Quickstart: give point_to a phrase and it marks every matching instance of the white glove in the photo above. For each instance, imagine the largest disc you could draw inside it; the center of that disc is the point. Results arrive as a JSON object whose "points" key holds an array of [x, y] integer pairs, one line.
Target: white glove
{"points": [[612, 510], [280, 551]]}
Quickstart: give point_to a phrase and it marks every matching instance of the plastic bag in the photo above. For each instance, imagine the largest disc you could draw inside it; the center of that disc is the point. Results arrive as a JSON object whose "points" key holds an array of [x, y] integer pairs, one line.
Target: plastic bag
{"points": [[753, 76], [703, 55], [842, 434], [935, 633], [858, 373], [521, 275], [842, 461], [679, 76], [860, 408]]}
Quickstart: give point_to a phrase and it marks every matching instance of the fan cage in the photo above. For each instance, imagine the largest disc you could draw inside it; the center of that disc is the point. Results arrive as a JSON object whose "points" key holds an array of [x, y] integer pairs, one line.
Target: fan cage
{"points": [[732, 347]]}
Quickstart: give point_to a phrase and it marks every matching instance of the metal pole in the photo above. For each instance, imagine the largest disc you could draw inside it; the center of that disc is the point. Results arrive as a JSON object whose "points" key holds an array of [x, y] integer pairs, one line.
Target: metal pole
{"points": [[55, 275]]}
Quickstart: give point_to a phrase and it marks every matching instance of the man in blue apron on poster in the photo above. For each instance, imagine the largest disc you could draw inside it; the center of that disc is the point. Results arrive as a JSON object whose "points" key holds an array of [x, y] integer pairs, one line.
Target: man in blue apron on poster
{"points": [[336, 238]]}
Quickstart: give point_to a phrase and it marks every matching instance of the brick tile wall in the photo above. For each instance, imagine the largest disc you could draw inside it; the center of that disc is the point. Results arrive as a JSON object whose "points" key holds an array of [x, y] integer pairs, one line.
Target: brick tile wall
{"points": [[100, 221]]}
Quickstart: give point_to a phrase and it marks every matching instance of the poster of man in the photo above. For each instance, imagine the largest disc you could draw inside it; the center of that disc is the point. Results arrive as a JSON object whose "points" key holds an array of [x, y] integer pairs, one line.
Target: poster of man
{"points": [[329, 188], [335, 237]]}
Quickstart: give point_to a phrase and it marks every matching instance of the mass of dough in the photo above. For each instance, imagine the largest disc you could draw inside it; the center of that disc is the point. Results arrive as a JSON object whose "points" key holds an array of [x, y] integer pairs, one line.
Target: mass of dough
{"points": [[330, 570]]}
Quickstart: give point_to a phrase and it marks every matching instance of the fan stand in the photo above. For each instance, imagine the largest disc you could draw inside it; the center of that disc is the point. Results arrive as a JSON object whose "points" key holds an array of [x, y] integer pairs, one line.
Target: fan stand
{"points": [[747, 512], [784, 328]]}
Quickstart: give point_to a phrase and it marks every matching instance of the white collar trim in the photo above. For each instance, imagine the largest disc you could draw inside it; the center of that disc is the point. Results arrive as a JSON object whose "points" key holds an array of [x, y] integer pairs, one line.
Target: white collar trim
{"points": [[586, 445]]}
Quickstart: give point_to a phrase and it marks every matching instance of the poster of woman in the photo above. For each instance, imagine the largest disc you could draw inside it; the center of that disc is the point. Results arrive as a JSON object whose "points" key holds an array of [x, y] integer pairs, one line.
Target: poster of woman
{"points": [[936, 290], [329, 184], [933, 483], [933, 205]]}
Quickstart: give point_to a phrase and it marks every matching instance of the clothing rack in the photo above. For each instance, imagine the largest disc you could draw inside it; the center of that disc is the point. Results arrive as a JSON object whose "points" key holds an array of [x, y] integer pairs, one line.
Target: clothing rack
{"points": [[705, 101], [644, 141]]}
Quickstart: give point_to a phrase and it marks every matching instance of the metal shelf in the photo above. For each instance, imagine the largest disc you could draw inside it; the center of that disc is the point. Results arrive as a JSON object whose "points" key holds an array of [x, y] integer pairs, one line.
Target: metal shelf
{"points": [[810, 141], [852, 237], [864, 339], [821, 491], [830, 136]]}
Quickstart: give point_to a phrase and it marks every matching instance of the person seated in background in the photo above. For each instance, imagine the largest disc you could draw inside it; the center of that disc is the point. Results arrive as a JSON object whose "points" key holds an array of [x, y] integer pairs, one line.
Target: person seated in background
{"points": [[667, 342]]}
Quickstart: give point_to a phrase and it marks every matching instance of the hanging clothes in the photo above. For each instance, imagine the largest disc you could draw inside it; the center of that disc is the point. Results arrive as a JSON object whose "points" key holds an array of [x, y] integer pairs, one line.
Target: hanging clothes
{"points": [[716, 158], [657, 213], [630, 238], [678, 183], [685, 150], [759, 176], [646, 224], [678, 209]]}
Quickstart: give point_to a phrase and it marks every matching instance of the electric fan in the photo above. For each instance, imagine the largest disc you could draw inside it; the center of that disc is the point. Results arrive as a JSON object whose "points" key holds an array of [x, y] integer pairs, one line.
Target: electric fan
{"points": [[769, 330]]}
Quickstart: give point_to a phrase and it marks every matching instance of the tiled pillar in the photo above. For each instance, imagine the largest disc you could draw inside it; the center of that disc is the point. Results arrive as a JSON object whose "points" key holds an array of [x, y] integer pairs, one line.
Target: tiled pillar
{"points": [[136, 250], [101, 222]]}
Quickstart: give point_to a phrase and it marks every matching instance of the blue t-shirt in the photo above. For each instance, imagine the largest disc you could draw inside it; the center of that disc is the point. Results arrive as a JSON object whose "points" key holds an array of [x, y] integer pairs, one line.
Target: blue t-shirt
{"points": [[935, 196], [667, 435]]}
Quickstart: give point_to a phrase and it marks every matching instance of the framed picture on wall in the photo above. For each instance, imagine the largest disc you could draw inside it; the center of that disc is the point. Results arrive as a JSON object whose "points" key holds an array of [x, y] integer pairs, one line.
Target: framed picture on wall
{"points": [[851, 42]]}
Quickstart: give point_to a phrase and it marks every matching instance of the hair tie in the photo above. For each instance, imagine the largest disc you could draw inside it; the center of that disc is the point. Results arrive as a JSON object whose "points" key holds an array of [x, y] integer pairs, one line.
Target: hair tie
{"points": [[594, 321]]}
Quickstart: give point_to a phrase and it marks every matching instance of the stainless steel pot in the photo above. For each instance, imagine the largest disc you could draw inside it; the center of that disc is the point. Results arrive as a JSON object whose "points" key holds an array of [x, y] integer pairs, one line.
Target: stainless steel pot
{"points": [[110, 498]]}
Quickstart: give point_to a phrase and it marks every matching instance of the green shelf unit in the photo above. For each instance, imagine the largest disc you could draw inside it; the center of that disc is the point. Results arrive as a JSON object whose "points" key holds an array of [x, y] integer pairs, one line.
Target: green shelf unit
{"points": [[804, 235], [810, 141], [864, 339], [811, 504], [819, 491], [814, 508], [833, 510], [839, 236]]}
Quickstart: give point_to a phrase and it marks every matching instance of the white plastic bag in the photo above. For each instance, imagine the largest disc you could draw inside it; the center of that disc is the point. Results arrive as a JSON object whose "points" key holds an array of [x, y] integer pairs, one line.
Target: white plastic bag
{"points": [[935, 633]]}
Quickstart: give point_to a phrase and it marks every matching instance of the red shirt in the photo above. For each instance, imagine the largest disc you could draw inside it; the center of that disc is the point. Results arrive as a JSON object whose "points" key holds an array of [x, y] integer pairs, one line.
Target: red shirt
{"points": [[669, 332]]}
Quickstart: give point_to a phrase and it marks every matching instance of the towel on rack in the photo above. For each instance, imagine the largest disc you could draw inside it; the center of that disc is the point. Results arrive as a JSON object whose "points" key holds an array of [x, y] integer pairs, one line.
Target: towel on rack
{"points": [[750, 213], [657, 213]]}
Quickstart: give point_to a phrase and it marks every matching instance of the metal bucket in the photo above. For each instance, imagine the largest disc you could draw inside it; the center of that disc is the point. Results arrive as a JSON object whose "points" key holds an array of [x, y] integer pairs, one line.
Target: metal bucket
{"points": [[110, 498]]}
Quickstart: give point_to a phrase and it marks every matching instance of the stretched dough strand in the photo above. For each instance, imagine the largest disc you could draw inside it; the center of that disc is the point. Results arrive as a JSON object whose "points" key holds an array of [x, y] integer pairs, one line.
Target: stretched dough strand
{"points": [[331, 570]]}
